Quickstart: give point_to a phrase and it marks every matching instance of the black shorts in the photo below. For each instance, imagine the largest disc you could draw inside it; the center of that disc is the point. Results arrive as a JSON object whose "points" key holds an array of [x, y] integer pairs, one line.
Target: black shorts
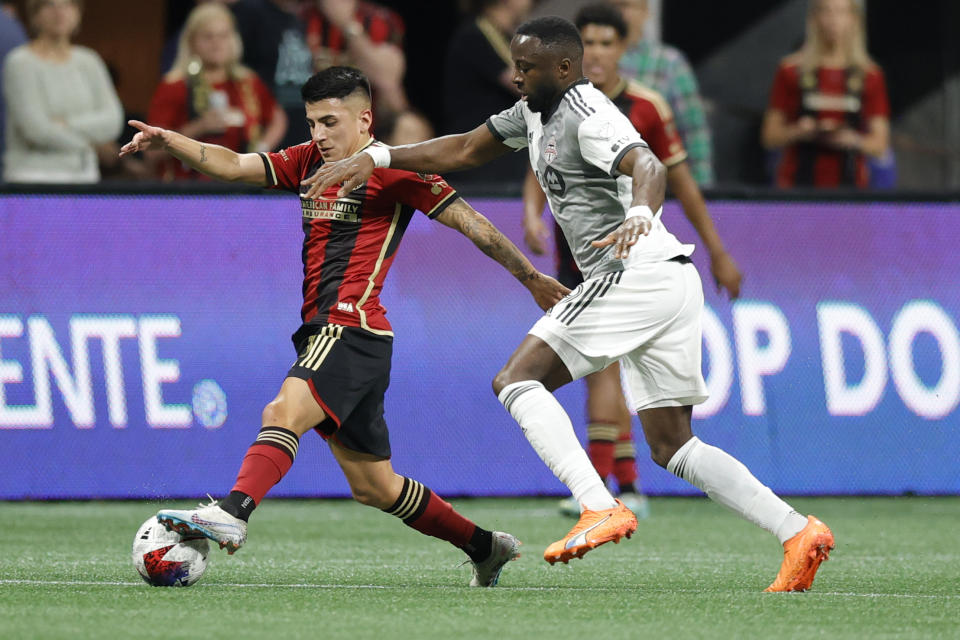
{"points": [[348, 371]]}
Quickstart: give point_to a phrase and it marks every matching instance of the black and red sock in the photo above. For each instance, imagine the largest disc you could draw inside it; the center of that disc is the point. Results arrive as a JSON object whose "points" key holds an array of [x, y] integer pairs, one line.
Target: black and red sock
{"points": [[423, 510], [268, 459]]}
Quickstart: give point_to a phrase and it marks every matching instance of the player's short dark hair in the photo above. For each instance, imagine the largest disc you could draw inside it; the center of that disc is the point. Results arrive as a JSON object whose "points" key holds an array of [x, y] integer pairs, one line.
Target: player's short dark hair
{"points": [[602, 14], [334, 82], [554, 32]]}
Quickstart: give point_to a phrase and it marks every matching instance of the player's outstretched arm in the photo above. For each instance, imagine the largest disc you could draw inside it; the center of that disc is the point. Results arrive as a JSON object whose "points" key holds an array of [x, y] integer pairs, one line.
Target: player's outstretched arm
{"points": [[723, 267], [649, 190], [465, 219], [210, 159], [439, 155]]}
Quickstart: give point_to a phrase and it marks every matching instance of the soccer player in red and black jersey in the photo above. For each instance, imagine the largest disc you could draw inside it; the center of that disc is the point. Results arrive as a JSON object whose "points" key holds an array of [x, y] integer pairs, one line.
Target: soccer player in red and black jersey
{"points": [[337, 383], [609, 434]]}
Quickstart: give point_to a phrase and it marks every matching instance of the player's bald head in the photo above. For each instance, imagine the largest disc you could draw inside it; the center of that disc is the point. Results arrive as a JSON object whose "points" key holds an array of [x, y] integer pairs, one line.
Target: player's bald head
{"points": [[347, 84], [555, 37]]}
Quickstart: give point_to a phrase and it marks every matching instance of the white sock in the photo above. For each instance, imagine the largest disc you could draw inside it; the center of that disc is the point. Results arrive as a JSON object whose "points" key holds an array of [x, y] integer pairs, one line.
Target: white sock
{"points": [[725, 480], [548, 428]]}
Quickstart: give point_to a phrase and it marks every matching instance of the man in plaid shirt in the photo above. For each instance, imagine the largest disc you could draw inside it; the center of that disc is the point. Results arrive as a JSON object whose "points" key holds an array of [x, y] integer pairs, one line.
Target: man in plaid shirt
{"points": [[665, 69]]}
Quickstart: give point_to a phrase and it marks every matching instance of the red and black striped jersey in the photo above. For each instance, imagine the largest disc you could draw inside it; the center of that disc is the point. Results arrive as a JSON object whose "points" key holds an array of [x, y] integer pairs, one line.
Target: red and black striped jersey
{"points": [[350, 242], [650, 114]]}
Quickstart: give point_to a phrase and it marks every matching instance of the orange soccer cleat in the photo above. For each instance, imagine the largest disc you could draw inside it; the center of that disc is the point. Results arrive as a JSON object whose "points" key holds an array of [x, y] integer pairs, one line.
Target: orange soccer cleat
{"points": [[592, 530], [802, 555]]}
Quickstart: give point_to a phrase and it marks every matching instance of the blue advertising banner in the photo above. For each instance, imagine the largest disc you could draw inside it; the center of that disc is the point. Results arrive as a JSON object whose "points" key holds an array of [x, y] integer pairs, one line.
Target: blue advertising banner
{"points": [[140, 338]]}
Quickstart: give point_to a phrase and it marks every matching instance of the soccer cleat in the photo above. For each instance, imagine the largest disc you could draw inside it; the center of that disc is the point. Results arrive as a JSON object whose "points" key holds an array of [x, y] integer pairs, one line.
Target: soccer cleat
{"points": [[592, 530], [802, 555], [207, 520], [638, 503], [504, 549]]}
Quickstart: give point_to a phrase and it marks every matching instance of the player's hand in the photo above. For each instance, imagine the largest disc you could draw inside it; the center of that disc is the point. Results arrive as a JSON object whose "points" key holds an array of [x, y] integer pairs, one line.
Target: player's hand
{"points": [[546, 290], [625, 236], [725, 273], [147, 138], [349, 173], [535, 235]]}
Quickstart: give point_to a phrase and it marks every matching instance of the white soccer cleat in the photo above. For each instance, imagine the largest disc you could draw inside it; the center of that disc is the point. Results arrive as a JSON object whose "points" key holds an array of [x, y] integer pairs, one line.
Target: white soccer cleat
{"points": [[504, 549], [207, 520]]}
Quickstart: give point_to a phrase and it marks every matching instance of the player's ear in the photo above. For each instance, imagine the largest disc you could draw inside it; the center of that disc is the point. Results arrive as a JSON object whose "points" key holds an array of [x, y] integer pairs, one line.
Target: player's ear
{"points": [[564, 66], [365, 116]]}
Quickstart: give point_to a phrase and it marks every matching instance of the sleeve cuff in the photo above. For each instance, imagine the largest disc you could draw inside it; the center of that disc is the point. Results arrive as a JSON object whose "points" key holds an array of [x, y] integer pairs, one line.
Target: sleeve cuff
{"points": [[623, 152], [271, 175], [442, 205], [493, 130]]}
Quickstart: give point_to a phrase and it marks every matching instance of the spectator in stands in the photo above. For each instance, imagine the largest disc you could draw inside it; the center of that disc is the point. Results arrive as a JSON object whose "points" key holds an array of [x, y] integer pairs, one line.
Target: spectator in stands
{"points": [[210, 96], [12, 35], [369, 37], [60, 102], [275, 47], [828, 107], [666, 70], [478, 81]]}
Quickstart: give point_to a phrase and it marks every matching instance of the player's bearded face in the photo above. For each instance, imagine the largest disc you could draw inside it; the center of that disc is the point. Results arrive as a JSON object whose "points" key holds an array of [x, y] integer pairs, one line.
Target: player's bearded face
{"points": [[534, 74]]}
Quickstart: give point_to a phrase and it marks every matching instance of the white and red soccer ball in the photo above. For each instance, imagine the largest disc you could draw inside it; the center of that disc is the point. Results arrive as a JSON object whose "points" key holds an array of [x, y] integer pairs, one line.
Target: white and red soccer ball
{"points": [[165, 558]]}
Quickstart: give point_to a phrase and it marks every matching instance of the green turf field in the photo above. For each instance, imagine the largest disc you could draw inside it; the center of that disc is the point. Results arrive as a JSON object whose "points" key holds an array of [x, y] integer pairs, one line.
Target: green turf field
{"points": [[335, 569]]}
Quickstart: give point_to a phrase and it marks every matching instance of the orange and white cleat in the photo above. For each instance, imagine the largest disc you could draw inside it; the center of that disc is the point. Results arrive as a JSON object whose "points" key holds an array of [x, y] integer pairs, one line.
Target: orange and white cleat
{"points": [[592, 530], [802, 555]]}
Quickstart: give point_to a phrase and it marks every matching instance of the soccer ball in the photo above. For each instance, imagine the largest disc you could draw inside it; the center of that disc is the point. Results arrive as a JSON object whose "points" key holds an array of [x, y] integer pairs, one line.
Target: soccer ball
{"points": [[166, 559]]}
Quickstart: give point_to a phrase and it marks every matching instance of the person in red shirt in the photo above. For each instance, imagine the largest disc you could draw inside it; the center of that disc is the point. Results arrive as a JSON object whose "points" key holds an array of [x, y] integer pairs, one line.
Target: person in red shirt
{"points": [[828, 106], [609, 433], [369, 37], [338, 381], [364, 35], [210, 96]]}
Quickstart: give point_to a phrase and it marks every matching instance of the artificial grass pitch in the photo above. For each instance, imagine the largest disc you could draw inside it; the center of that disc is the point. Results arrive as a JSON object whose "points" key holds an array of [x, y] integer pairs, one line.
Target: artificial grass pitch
{"points": [[335, 569]]}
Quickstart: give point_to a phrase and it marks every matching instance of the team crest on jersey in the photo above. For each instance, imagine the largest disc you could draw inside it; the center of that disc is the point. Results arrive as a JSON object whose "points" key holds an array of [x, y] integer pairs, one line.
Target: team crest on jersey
{"points": [[554, 181], [550, 151], [437, 181]]}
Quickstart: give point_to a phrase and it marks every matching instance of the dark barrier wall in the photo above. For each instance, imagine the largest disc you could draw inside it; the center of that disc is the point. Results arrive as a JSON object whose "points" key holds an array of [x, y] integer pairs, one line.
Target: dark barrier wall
{"points": [[140, 337]]}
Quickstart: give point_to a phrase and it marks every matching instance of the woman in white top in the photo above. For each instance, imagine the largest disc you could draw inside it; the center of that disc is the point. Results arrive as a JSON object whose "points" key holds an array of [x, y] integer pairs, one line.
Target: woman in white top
{"points": [[60, 101]]}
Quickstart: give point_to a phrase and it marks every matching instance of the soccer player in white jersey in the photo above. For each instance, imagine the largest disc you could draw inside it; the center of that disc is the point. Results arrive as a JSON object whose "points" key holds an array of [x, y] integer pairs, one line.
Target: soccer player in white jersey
{"points": [[640, 303]]}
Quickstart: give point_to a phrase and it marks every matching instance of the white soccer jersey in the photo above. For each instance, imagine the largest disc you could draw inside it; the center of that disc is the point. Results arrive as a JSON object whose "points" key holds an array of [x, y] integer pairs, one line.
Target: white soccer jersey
{"points": [[575, 149]]}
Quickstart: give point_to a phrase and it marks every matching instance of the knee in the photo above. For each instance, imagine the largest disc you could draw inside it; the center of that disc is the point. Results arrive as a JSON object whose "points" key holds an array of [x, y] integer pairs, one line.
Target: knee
{"points": [[274, 414], [501, 380], [371, 495]]}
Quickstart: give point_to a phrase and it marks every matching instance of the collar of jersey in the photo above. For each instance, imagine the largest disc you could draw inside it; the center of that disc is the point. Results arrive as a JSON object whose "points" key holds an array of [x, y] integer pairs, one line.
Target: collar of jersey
{"points": [[546, 115]]}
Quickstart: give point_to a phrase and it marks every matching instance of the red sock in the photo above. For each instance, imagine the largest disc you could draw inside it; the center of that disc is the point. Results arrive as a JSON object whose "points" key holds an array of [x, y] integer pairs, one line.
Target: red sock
{"points": [[425, 511], [625, 462], [600, 447], [267, 461]]}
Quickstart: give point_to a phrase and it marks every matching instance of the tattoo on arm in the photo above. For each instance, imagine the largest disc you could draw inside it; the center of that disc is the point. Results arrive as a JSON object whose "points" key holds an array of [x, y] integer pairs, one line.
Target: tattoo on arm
{"points": [[203, 153], [493, 243]]}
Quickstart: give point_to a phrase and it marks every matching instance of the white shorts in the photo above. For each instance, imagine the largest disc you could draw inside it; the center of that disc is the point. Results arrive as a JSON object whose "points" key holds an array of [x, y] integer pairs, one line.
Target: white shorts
{"points": [[648, 317]]}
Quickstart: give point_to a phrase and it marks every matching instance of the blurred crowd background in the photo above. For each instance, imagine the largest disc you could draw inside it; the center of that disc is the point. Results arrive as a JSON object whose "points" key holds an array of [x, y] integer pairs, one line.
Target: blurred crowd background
{"points": [[809, 94]]}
